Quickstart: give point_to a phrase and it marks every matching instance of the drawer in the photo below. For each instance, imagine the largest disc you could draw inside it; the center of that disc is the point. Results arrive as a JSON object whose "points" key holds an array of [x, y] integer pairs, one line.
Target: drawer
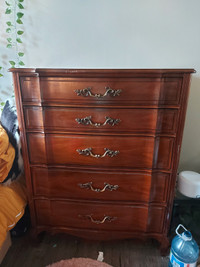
{"points": [[127, 186], [101, 119], [92, 215], [100, 151], [102, 90]]}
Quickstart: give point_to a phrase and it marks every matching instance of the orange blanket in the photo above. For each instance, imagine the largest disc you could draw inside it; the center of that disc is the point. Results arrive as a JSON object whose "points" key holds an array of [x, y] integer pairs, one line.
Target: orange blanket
{"points": [[13, 197], [7, 154], [13, 200]]}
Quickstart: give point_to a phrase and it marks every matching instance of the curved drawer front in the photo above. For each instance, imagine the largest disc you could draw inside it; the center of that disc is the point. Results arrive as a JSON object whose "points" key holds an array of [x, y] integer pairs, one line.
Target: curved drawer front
{"points": [[101, 119], [102, 185], [100, 151], [101, 90], [99, 216]]}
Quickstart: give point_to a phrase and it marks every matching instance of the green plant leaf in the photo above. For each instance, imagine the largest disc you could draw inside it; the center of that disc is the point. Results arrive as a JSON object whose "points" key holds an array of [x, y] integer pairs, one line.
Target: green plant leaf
{"points": [[19, 21], [9, 23], [21, 0], [21, 63], [2, 103], [8, 10], [20, 15], [19, 40], [7, 3], [0, 68], [20, 6], [20, 32], [12, 63], [20, 54], [8, 30], [1, 75], [9, 46], [9, 40]]}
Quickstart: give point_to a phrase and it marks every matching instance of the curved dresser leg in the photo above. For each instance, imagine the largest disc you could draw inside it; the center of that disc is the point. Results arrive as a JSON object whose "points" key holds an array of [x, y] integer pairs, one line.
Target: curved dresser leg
{"points": [[33, 234], [164, 246], [36, 236]]}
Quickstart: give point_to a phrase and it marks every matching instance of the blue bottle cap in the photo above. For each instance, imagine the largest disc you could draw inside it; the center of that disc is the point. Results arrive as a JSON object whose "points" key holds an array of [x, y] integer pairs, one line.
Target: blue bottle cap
{"points": [[186, 236]]}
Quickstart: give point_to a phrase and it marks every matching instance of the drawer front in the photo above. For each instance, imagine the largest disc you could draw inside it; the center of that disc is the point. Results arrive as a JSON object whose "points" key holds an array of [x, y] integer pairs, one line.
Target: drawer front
{"points": [[30, 89], [136, 186], [101, 90], [100, 151], [101, 119], [99, 216]]}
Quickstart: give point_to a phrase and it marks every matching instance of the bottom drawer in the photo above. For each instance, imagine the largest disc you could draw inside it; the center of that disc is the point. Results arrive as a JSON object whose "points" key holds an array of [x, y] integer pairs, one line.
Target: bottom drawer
{"points": [[102, 216]]}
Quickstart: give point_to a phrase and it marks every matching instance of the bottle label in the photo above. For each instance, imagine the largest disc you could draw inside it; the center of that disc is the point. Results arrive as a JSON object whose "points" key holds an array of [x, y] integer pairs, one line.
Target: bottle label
{"points": [[177, 263]]}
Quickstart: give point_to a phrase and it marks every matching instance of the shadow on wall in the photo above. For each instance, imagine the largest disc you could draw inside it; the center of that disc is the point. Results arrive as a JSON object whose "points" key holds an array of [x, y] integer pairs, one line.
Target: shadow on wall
{"points": [[31, 38], [6, 89], [190, 152]]}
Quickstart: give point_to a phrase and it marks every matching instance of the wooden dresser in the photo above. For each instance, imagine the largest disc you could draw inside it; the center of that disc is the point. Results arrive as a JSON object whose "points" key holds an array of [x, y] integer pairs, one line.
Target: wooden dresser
{"points": [[101, 149]]}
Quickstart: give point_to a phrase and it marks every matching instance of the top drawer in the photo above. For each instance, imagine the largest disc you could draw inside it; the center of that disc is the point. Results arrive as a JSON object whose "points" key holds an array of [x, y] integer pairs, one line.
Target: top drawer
{"points": [[112, 91]]}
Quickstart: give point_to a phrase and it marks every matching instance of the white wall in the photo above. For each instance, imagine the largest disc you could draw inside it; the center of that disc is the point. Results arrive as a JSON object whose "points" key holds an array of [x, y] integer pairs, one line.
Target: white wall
{"points": [[119, 34]]}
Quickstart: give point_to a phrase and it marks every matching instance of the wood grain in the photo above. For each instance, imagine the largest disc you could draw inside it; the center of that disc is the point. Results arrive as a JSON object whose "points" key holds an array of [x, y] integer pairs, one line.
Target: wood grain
{"points": [[53, 248], [151, 107], [136, 91], [76, 214], [130, 120], [132, 186]]}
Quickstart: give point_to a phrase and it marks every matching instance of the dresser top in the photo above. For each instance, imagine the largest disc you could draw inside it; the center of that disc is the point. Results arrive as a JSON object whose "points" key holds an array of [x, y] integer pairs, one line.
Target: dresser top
{"points": [[111, 71], [102, 73]]}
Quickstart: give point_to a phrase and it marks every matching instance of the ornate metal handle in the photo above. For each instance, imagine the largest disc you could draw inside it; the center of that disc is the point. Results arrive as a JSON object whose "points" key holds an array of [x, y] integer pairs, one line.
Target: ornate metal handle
{"points": [[88, 152], [87, 92], [98, 190], [106, 218], [87, 121]]}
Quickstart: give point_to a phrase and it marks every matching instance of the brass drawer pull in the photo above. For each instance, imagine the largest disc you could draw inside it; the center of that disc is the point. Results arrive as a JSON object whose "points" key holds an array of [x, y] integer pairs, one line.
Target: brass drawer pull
{"points": [[106, 218], [87, 92], [88, 121], [88, 152], [98, 190]]}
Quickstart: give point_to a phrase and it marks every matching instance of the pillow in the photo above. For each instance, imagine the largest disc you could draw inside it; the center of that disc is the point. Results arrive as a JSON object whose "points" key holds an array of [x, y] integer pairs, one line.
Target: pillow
{"points": [[9, 121], [10, 124]]}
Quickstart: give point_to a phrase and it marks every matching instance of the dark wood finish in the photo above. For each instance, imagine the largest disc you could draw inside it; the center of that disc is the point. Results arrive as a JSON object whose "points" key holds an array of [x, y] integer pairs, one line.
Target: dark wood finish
{"points": [[151, 107], [135, 91], [133, 152], [30, 89], [54, 248], [90, 216], [130, 120], [125, 73], [132, 186]]}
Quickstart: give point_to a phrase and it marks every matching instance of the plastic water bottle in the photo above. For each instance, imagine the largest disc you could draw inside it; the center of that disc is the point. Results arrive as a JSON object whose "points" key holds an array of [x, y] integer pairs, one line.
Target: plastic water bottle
{"points": [[184, 250]]}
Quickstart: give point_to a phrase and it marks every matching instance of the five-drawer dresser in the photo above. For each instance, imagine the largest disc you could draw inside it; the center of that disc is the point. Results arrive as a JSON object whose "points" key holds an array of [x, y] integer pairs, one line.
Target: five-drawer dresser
{"points": [[101, 149]]}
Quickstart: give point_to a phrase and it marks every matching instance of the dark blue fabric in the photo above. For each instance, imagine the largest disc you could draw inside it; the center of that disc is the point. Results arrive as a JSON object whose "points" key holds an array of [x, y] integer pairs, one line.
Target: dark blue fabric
{"points": [[22, 225], [10, 124]]}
